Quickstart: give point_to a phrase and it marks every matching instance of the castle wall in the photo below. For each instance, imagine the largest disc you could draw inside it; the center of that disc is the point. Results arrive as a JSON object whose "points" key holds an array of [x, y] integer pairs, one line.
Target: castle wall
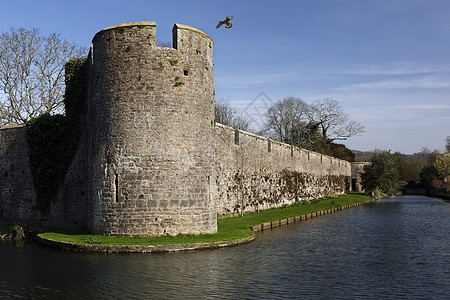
{"points": [[151, 132], [253, 172], [17, 195], [357, 170], [151, 161], [70, 207]]}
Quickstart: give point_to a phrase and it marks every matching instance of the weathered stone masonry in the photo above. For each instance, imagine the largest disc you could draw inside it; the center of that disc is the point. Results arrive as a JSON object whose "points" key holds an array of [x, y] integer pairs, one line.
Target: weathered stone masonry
{"points": [[357, 170], [151, 132], [151, 159], [17, 194], [253, 172]]}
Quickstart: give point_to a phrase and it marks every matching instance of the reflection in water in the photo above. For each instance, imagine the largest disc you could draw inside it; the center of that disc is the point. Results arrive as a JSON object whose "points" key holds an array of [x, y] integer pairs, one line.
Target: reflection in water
{"points": [[395, 248]]}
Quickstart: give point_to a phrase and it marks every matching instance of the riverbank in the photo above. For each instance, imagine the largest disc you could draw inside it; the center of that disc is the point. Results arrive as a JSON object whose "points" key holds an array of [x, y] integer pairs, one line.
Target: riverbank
{"points": [[231, 231], [442, 194], [16, 232]]}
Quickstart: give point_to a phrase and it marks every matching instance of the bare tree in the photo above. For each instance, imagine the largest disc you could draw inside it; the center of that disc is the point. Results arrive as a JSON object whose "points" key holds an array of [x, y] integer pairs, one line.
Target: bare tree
{"points": [[164, 44], [287, 121], [333, 122], [230, 116], [32, 74]]}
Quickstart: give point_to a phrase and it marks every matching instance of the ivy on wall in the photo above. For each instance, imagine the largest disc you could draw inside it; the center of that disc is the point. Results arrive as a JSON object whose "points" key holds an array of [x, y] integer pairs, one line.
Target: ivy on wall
{"points": [[75, 97], [52, 139]]}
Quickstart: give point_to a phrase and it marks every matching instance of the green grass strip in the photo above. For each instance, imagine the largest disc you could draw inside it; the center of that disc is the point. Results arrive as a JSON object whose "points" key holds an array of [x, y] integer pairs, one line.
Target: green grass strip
{"points": [[228, 228]]}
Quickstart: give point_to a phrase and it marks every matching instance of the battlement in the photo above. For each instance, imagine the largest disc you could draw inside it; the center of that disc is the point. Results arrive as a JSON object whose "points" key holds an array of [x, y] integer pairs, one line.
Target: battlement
{"points": [[130, 24], [177, 26], [184, 38]]}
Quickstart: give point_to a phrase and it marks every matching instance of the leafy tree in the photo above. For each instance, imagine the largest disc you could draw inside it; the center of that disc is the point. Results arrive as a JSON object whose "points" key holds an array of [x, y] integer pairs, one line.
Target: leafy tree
{"points": [[428, 175], [383, 174], [32, 74], [333, 122], [442, 165], [432, 175], [342, 152], [363, 156], [230, 116], [413, 164]]}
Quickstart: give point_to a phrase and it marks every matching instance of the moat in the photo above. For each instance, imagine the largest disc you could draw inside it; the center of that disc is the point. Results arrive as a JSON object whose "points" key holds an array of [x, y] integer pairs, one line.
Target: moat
{"points": [[396, 248]]}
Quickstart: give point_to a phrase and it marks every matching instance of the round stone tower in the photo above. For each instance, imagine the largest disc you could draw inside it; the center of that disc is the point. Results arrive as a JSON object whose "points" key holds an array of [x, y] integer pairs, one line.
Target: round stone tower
{"points": [[151, 132]]}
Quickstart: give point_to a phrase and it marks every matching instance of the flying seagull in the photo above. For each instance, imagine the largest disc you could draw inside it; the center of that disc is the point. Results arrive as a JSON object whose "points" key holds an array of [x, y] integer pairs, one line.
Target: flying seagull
{"points": [[226, 22]]}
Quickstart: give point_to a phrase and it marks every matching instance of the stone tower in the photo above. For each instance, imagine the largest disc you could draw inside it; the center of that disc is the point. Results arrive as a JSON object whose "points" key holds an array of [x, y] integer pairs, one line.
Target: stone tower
{"points": [[150, 132]]}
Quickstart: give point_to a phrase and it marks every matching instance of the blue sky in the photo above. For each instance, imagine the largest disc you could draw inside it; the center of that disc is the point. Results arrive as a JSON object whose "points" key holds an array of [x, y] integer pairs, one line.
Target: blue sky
{"points": [[386, 61]]}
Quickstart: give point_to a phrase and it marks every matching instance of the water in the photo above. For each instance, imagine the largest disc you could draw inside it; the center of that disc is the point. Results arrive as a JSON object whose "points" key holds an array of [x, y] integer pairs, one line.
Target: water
{"points": [[397, 248]]}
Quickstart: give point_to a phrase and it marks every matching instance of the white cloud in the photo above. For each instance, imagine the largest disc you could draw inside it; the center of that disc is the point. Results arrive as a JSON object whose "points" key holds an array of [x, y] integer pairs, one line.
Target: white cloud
{"points": [[426, 82], [401, 68], [425, 106], [246, 79]]}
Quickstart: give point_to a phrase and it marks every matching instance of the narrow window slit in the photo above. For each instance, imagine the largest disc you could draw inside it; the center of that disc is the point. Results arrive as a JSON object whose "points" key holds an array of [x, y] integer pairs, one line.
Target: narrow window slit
{"points": [[116, 185]]}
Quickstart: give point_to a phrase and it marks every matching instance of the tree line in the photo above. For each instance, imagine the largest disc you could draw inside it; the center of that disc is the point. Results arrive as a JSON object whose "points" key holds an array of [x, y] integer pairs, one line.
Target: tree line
{"points": [[389, 173]]}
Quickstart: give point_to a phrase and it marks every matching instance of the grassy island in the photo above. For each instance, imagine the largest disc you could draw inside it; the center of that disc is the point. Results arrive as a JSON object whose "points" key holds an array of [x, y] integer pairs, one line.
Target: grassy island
{"points": [[228, 228]]}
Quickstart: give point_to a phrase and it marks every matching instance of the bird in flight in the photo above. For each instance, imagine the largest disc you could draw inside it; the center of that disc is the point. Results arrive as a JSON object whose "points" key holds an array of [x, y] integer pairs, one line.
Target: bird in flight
{"points": [[226, 22]]}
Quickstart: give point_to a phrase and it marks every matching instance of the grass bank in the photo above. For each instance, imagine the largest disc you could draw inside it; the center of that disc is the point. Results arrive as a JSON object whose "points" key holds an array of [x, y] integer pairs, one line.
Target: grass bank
{"points": [[228, 228]]}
